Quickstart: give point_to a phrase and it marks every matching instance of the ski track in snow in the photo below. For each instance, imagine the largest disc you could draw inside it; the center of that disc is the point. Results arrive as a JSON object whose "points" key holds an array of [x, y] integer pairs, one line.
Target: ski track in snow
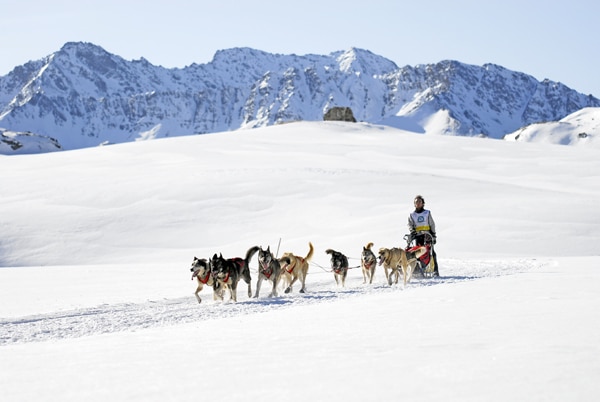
{"points": [[105, 319]]}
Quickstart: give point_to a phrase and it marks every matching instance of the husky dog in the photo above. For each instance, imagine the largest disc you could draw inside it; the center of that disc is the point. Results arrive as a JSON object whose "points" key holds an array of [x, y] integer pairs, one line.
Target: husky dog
{"points": [[295, 268], [395, 258], [227, 273], [202, 272], [339, 266], [391, 259], [268, 269], [368, 263]]}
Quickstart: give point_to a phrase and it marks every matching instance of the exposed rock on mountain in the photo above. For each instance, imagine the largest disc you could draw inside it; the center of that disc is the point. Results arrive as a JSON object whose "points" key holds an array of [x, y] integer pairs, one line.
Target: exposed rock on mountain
{"points": [[338, 113]]}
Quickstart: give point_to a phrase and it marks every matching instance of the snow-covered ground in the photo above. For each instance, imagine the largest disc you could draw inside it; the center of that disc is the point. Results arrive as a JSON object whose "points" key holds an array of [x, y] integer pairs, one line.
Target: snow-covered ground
{"points": [[96, 301]]}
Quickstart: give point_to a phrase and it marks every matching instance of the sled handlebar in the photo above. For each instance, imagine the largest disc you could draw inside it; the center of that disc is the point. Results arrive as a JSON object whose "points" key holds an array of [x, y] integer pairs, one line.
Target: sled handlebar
{"points": [[427, 237]]}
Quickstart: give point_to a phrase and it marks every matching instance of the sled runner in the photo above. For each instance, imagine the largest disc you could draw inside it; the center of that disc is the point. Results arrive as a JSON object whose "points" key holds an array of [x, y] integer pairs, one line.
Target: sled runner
{"points": [[424, 265]]}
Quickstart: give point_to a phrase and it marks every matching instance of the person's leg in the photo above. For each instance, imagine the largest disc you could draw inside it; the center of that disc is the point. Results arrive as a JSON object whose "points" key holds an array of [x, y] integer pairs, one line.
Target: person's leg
{"points": [[436, 271]]}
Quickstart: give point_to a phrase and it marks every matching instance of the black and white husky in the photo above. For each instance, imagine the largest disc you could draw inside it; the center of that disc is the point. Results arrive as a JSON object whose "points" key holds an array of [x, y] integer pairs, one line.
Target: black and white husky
{"points": [[268, 269], [201, 271], [339, 266], [228, 272]]}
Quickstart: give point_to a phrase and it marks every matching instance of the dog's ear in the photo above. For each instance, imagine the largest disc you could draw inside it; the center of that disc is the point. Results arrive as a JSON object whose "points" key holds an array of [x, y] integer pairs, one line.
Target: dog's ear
{"points": [[269, 248]]}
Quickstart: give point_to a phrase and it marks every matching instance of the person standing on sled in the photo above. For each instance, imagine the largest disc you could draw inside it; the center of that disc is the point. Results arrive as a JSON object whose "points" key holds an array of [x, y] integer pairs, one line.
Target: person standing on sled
{"points": [[420, 221]]}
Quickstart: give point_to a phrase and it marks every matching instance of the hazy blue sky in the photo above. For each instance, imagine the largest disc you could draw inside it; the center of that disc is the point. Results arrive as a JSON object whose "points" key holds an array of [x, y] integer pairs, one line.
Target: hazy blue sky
{"points": [[558, 40]]}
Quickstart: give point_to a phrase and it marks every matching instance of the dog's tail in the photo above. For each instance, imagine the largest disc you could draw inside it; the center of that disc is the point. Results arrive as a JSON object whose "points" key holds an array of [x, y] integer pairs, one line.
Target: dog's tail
{"points": [[368, 246], [250, 253], [246, 269], [311, 251]]}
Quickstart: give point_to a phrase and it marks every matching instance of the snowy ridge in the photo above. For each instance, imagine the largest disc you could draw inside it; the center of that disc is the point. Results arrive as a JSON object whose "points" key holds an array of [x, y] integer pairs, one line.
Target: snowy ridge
{"points": [[581, 128], [83, 96], [13, 143]]}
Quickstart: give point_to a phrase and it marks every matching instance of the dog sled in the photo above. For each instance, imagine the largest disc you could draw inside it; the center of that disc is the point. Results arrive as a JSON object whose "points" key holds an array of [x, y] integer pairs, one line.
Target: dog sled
{"points": [[425, 264]]}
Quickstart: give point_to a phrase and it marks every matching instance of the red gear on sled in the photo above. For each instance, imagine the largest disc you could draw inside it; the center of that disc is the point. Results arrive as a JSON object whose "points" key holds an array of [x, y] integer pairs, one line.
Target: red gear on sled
{"points": [[426, 257]]}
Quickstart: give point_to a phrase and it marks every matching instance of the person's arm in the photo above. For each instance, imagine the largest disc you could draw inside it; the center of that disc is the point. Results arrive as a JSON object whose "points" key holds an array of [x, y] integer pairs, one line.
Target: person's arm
{"points": [[411, 225], [432, 227]]}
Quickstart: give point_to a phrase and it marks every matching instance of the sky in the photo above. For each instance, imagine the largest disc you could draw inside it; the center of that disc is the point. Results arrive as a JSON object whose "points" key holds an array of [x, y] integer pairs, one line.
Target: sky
{"points": [[97, 299], [555, 40]]}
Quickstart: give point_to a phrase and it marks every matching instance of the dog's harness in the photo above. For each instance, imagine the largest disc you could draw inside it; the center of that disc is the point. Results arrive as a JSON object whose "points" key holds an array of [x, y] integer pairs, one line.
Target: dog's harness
{"points": [[226, 278], [205, 279], [266, 271], [236, 261], [369, 264], [289, 271]]}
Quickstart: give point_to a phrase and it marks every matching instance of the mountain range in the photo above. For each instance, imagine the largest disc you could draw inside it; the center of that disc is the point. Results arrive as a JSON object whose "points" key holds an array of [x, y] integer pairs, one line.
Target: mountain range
{"points": [[83, 96]]}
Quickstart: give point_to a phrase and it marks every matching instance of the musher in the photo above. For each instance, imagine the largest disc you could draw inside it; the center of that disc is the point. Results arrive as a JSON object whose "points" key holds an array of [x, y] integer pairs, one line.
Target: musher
{"points": [[420, 221]]}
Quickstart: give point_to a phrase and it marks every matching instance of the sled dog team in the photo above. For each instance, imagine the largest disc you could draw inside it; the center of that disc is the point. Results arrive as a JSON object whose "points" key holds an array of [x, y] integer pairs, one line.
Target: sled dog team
{"points": [[224, 274]]}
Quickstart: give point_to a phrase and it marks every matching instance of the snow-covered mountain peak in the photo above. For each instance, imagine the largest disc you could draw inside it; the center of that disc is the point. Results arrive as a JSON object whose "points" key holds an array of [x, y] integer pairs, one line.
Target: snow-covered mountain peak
{"points": [[239, 55], [82, 48], [89, 56], [355, 60]]}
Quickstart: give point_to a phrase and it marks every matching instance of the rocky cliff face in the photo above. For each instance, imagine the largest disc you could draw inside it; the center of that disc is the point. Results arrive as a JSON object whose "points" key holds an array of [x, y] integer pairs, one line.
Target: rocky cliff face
{"points": [[84, 96]]}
